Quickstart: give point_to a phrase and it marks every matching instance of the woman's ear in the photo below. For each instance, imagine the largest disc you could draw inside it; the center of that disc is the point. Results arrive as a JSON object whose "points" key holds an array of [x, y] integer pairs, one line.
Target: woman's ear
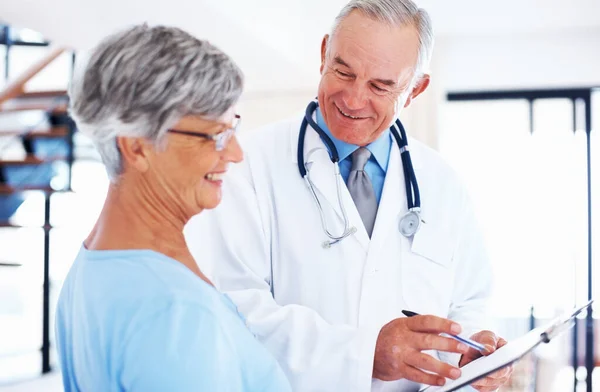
{"points": [[134, 153]]}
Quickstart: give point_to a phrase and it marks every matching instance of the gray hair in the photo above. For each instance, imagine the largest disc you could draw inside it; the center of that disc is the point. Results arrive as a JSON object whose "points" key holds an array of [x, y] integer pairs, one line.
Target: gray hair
{"points": [[140, 82], [396, 13]]}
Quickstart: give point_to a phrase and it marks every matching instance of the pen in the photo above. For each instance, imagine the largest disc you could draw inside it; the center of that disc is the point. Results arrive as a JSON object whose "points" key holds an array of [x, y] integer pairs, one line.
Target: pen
{"points": [[468, 342]]}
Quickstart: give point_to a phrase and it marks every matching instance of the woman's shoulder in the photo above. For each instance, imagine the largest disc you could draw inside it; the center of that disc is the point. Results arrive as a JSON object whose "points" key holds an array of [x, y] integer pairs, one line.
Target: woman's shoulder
{"points": [[138, 282]]}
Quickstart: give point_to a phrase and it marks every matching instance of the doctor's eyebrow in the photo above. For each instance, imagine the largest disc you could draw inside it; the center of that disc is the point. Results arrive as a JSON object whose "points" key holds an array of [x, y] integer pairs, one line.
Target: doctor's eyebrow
{"points": [[386, 82], [338, 60]]}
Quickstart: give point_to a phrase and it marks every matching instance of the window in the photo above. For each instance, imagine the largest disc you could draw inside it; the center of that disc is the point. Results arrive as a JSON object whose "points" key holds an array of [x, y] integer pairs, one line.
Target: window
{"points": [[530, 193]]}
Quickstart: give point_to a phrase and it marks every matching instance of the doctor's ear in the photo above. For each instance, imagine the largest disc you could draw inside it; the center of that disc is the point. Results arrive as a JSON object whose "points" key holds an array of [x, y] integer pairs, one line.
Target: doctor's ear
{"points": [[324, 52], [418, 89]]}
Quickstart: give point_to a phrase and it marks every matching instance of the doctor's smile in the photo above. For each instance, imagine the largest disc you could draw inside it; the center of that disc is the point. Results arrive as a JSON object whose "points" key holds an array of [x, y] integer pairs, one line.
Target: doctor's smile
{"points": [[355, 117]]}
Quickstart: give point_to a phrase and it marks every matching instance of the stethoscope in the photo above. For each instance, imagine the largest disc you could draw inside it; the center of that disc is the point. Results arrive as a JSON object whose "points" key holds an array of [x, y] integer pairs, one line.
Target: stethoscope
{"points": [[409, 223]]}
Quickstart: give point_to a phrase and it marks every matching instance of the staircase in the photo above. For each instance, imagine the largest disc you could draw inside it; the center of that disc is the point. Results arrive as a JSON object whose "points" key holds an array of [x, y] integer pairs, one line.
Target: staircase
{"points": [[36, 156]]}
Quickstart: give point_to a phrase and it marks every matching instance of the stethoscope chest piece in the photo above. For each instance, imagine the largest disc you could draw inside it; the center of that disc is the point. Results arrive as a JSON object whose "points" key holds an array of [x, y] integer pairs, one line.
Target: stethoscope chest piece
{"points": [[410, 223]]}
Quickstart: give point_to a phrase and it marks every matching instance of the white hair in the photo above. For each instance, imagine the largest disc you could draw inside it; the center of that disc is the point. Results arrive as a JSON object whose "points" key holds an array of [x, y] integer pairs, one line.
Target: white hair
{"points": [[396, 13], [140, 82]]}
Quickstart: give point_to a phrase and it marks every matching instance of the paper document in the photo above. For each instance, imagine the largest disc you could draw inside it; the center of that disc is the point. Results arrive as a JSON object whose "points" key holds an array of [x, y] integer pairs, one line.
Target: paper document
{"points": [[511, 352]]}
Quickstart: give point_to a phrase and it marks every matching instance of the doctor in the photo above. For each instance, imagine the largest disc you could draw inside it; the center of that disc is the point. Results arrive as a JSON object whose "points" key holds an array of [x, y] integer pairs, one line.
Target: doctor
{"points": [[316, 261]]}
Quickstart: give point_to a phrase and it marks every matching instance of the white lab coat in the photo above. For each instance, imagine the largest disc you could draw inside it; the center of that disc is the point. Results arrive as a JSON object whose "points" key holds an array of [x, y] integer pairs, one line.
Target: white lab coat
{"points": [[319, 311]]}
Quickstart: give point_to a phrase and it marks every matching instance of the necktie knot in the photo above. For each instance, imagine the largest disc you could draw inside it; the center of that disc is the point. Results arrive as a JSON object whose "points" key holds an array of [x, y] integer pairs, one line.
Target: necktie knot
{"points": [[360, 158]]}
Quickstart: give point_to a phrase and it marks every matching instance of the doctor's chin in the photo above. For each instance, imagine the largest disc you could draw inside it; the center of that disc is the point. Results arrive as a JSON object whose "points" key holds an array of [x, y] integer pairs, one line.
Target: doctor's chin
{"points": [[353, 196]]}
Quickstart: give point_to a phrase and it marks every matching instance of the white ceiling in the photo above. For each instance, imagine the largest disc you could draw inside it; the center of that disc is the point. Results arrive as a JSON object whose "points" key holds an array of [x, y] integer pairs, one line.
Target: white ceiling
{"points": [[276, 42]]}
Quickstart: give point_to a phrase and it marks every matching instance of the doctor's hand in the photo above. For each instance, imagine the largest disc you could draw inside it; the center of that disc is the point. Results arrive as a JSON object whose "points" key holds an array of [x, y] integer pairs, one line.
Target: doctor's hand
{"points": [[398, 352], [492, 342]]}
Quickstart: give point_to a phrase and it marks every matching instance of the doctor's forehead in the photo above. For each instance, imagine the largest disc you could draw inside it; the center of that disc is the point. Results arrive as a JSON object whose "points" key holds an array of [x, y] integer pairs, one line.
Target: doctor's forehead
{"points": [[360, 38]]}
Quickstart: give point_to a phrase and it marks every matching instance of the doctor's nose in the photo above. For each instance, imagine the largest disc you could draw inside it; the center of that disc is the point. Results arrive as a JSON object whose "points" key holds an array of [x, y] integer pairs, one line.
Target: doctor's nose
{"points": [[355, 97]]}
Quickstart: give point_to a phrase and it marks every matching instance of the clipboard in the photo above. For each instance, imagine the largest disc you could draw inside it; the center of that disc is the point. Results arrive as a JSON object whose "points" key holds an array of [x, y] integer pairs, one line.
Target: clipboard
{"points": [[509, 353]]}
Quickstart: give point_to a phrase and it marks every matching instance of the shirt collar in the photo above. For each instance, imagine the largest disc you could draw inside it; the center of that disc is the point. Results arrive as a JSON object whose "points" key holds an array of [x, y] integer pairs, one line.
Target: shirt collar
{"points": [[380, 148]]}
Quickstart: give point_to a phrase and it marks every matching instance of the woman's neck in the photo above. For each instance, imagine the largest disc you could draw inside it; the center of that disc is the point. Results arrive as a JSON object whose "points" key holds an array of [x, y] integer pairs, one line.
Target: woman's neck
{"points": [[131, 219]]}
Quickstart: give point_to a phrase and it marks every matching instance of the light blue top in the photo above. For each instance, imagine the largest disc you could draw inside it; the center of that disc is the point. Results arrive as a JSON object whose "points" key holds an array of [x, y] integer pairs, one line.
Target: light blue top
{"points": [[136, 320], [377, 164]]}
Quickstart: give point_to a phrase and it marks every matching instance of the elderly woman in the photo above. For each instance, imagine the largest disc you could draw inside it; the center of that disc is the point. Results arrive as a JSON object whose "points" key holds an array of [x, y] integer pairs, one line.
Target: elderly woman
{"points": [[135, 312]]}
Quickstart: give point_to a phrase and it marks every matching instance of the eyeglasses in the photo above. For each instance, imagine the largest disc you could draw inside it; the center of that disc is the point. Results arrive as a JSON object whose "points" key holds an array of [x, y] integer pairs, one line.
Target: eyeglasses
{"points": [[221, 139]]}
